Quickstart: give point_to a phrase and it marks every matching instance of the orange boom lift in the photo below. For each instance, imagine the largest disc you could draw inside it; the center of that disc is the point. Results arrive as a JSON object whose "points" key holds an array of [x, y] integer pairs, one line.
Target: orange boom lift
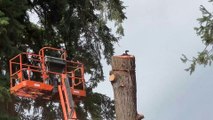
{"points": [[48, 75]]}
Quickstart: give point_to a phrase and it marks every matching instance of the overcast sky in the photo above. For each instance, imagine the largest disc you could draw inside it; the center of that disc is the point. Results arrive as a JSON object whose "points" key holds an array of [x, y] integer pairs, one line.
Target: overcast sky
{"points": [[157, 32]]}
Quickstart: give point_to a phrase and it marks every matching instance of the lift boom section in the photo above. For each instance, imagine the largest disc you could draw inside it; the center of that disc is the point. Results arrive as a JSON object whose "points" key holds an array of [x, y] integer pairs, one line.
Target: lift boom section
{"points": [[48, 75], [66, 98]]}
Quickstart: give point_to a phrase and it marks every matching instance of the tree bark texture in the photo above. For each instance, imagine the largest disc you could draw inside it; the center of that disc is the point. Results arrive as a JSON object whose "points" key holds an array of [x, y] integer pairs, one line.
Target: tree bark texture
{"points": [[123, 81]]}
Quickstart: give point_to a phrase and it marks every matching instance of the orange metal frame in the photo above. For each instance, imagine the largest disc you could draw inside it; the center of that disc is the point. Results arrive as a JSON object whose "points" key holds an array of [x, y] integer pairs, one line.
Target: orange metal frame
{"points": [[33, 88], [29, 87]]}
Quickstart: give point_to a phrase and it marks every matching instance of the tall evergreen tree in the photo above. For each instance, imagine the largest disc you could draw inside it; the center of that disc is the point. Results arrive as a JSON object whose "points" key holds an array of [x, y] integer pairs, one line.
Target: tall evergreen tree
{"points": [[12, 16], [79, 24], [205, 31]]}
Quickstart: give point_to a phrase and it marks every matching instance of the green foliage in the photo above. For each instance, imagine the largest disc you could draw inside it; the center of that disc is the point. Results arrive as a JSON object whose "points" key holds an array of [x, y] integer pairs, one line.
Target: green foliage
{"points": [[81, 25], [3, 20], [98, 106], [7, 108], [205, 31], [6, 117], [4, 95]]}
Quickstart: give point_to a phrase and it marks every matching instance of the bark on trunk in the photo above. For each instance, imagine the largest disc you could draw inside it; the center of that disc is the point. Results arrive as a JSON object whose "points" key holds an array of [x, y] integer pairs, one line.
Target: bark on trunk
{"points": [[123, 81]]}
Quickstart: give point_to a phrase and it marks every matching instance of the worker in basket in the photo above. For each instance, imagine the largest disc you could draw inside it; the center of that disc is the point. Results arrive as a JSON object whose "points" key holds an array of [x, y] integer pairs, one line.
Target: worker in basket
{"points": [[33, 64], [27, 72]]}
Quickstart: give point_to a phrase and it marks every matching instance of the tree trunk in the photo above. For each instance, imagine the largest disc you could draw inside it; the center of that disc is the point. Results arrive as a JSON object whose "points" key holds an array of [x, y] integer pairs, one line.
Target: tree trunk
{"points": [[123, 81]]}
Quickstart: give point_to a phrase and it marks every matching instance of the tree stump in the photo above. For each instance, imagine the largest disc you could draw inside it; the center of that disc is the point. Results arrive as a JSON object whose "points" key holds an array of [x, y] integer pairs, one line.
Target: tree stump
{"points": [[123, 82]]}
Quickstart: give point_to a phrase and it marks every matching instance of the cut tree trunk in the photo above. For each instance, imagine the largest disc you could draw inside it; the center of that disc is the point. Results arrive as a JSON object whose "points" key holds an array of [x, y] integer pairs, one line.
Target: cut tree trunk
{"points": [[123, 81]]}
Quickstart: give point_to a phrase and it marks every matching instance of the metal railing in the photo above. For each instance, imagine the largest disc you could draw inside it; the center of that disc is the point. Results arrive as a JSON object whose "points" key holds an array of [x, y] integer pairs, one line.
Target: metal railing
{"points": [[20, 65]]}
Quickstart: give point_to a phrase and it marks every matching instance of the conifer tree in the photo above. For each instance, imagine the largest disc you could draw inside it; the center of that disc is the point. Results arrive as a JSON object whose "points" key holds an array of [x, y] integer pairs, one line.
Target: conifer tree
{"points": [[79, 24]]}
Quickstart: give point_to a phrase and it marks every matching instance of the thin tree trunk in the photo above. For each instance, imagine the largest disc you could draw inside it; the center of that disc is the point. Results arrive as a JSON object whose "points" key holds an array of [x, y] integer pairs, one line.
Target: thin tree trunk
{"points": [[123, 81]]}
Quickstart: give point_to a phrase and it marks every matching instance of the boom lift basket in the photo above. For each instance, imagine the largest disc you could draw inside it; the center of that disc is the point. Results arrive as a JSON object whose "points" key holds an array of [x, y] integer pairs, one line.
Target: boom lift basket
{"points": [[35, 79]]}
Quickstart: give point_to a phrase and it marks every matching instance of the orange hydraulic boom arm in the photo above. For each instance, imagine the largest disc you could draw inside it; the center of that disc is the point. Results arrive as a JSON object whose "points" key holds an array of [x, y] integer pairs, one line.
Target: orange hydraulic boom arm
{"points": [[66, 99]]}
